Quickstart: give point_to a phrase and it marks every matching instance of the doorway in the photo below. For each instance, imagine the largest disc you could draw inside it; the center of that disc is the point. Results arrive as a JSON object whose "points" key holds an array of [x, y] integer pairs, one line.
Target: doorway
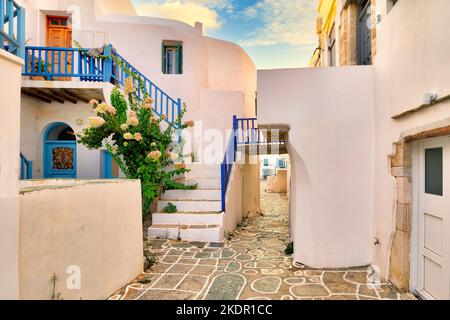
{"points": [[59, 35], [432, 254], [60, 152]]}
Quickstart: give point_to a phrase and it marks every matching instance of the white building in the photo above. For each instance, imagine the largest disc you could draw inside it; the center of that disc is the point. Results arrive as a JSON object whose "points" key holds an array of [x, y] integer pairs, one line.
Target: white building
{"points": [[369, 145]]}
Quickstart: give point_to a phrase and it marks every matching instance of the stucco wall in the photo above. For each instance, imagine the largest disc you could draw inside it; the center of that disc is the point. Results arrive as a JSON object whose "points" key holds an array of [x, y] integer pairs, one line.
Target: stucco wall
{"points": [[94, 225], [331, 151], [412, 59], [208, 64], [37, 116], [10, 67]]}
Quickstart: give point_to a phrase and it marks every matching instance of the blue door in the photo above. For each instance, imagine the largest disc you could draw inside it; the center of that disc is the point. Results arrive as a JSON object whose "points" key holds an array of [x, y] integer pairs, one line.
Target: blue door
{"points": [[60, 160], [60, 152]]}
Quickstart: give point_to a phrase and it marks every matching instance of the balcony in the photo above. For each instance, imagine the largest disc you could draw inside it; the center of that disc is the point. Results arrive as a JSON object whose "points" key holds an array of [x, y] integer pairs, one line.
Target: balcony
{"points": [[79, 74], [12, 27]]}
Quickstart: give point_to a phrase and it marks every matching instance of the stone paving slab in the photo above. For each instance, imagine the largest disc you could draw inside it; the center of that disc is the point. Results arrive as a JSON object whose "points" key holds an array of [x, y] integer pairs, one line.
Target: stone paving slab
{"points": [[251, 266]]}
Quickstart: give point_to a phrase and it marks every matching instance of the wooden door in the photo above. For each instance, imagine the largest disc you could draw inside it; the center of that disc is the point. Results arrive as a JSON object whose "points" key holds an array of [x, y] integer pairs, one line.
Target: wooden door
{"points": [[59, 35], [434, 219]]}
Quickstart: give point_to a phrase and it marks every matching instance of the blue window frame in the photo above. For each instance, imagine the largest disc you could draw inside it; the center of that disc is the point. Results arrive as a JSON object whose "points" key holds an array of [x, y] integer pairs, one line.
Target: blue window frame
{"points": [[172, 57]]}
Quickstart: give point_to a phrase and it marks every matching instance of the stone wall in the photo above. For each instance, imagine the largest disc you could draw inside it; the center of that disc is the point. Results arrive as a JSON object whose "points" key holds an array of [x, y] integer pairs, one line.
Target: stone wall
{"points": [[401, 169]]}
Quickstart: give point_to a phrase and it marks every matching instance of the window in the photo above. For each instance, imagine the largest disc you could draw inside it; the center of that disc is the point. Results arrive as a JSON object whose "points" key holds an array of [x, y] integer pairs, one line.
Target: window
{"points": [[434, 171], [332, 48], [172, 57], [364, 33]]}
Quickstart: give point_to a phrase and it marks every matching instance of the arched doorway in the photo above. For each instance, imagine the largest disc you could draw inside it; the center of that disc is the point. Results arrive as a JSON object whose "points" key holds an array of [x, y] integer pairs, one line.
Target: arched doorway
{"points": [[60, 152]]}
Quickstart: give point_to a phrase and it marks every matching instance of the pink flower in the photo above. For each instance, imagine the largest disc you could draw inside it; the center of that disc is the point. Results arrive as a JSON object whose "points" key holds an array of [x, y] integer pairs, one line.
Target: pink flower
{"points": [[133, 121], [129, 86], [137, 136], [93, 103], [111, 110], [155, 155], [148, 102], [189, 124], [96, 122]]}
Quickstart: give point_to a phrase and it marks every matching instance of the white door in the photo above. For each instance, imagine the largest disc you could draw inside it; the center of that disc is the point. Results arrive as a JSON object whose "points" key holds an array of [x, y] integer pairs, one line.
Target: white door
{"points": [[434, 219]]}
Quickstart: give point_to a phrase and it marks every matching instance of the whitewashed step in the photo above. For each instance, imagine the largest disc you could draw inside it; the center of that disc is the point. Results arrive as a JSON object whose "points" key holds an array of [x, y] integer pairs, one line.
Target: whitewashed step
{"points": [[192, 206], [192, 195], [204, 184], [186, 218], [203, 174], [205, 233]]}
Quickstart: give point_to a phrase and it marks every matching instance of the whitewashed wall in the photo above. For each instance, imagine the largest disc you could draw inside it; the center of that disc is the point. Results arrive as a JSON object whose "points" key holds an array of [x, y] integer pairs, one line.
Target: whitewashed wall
{"points": [[10, 67], [331, 143]]}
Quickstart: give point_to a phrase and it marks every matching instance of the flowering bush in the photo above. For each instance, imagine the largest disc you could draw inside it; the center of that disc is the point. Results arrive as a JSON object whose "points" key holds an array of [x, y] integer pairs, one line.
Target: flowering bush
{"points": [[133, 134]]}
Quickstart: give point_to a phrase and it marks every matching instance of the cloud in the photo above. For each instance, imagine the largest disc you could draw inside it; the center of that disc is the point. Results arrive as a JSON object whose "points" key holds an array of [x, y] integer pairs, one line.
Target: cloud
{"points": [[188, 11], [282, 22]]}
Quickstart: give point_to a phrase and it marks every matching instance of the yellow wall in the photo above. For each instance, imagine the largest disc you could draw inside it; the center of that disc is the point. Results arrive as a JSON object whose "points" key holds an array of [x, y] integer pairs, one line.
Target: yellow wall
{"points": [[327, 13]]}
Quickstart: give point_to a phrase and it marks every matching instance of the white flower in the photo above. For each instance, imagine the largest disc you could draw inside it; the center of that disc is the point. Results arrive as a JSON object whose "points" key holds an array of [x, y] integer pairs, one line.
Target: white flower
{"points": [[128, 136]]}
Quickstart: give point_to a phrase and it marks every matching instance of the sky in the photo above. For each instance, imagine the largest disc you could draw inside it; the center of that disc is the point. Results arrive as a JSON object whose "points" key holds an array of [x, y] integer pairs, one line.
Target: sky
{"points": [[275, 33]]}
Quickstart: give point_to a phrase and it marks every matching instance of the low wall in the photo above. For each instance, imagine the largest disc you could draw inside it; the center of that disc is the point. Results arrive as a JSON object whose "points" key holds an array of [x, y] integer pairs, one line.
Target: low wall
{"points": [[87, 233], [10, 75]]}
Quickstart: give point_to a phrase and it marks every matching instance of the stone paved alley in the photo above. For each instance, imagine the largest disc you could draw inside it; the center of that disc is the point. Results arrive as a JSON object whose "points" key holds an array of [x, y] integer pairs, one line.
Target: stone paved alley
{"points": [[251, 266]]}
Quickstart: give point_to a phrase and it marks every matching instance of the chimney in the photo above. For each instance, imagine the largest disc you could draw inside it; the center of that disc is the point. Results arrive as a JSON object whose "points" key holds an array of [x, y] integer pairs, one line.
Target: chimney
{"points": [[199, 27]]}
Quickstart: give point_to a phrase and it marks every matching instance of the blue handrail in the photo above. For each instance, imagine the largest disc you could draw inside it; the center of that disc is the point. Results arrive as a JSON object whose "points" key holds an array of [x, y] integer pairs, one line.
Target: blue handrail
{"points": [[12, 16], [247, 131], [110, 66], [26, 168], [228, 161], [164, 105]]}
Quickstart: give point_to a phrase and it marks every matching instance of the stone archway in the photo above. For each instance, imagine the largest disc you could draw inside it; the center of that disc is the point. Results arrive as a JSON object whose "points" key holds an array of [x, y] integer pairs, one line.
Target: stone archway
{"points": [[401, 169]]}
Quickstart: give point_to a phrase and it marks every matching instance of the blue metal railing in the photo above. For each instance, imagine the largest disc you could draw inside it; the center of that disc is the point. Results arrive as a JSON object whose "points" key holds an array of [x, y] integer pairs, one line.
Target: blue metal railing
{"points": [[247, 131], [228, 161], [12, 17], [164, 105], [50, 62], [26, 168], [109, 66]]}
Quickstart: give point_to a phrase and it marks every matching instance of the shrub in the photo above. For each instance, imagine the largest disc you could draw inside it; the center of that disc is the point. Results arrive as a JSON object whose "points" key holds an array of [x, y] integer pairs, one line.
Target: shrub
{"points": [[131, 131]]}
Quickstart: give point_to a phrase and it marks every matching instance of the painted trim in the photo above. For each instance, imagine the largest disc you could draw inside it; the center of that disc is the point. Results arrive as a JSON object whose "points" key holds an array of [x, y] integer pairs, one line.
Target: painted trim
{"points": [[414, 258], [47, 142], [107, 165]]}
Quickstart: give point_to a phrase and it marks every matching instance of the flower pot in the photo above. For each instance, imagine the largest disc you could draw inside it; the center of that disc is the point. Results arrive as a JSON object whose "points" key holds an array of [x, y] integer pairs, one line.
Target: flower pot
{"points": [[37, 78]]}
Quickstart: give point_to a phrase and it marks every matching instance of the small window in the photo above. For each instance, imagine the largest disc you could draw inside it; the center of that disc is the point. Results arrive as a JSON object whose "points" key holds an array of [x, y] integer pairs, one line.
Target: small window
{"points": [[332, 48], [172, 57], [434, 172]]}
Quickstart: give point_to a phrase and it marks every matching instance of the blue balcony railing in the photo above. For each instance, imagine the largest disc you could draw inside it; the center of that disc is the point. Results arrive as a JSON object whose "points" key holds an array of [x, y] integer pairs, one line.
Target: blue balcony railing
{"points": [[26, 168], [12, 27], [51, 63], [107, 66]]}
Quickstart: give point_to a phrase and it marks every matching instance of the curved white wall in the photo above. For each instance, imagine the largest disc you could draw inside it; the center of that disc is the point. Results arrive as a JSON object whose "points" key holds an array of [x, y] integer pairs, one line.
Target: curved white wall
{"points": [[331, 150]]}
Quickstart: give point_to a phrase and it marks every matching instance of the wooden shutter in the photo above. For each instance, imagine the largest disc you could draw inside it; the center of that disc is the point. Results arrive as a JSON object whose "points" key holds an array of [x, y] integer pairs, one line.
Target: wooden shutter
{"points": [[180, 58]]}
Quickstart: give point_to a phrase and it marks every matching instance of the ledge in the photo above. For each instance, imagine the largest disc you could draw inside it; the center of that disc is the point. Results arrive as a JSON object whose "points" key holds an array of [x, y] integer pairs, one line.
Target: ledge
{"points": [[421, 107], [10, 57]]}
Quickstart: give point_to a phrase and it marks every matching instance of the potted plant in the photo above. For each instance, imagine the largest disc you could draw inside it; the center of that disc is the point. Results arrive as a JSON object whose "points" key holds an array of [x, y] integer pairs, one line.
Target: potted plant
{"points": [[35, 68]]}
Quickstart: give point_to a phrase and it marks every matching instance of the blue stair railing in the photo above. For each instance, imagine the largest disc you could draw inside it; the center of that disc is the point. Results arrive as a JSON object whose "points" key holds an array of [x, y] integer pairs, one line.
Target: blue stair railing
{"points": [[247, 131], [12, 17], [228, 161], [119, 69], [26, 168]]}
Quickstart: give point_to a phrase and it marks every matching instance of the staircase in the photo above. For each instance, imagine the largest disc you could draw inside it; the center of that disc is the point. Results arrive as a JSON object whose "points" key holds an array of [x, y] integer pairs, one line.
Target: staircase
{"points": [[199, 216]]}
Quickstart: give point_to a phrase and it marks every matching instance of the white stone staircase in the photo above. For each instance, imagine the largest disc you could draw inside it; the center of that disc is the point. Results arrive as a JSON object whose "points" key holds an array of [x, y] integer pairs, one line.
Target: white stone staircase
{"points": [[199, 215]]}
